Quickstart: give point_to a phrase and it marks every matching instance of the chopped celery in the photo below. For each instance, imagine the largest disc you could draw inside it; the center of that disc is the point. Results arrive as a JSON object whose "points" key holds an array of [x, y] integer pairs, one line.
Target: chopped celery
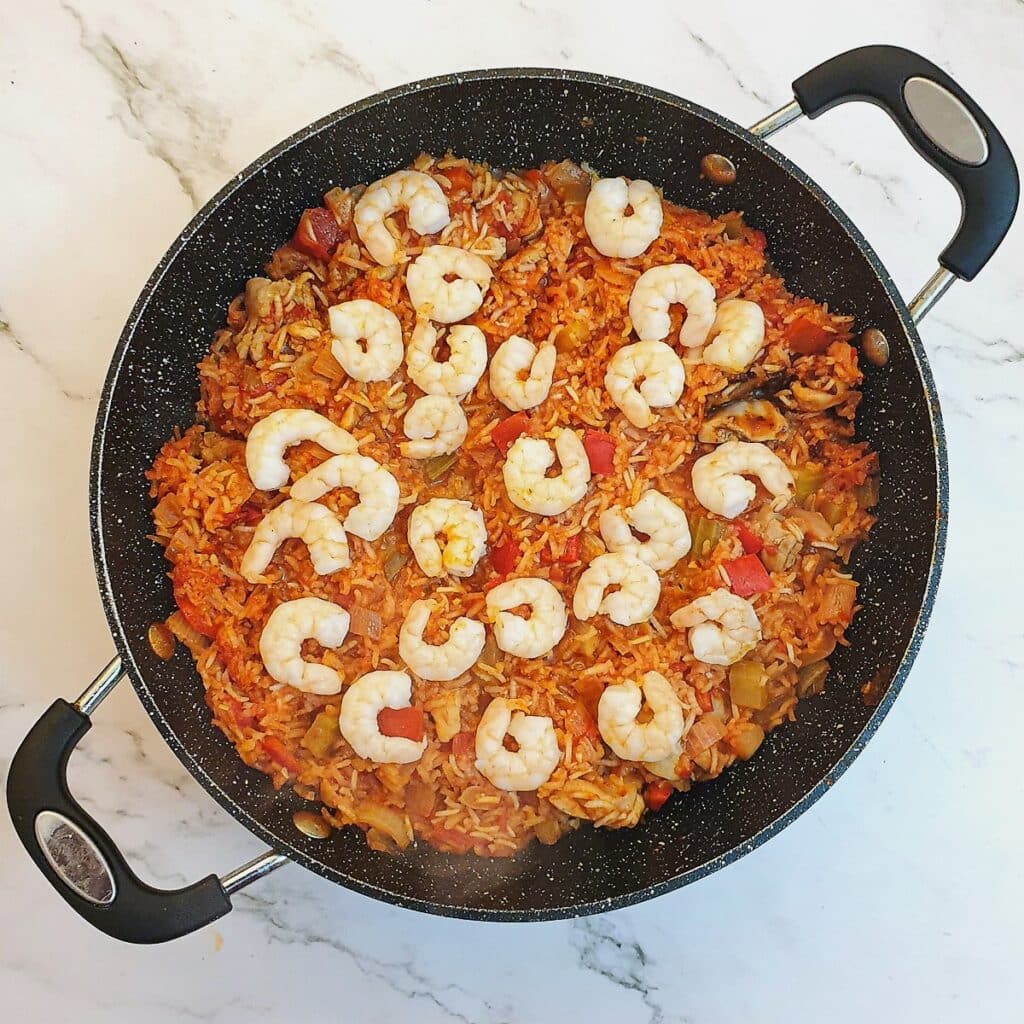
{"points": [[748, 685], [435, 468], [705, 534], [321, 735], [808, 479]]}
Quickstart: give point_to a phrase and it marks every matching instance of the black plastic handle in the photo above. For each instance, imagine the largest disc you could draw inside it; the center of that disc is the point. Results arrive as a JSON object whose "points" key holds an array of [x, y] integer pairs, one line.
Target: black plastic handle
{"points": [[122, 905], [988, 182]]}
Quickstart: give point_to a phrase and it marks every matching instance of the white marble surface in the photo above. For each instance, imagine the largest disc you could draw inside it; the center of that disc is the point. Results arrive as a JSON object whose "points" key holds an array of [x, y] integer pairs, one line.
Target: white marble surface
{"points": [[898, 897]]}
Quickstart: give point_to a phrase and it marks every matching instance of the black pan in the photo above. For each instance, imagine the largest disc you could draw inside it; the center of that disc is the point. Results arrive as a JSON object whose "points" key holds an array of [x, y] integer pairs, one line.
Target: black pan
{"points": [[519, 118]]}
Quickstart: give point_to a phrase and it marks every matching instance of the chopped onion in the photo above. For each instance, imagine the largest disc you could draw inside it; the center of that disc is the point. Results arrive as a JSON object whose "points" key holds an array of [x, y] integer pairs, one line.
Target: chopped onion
{"points": [[706, 732], [364, 622]]}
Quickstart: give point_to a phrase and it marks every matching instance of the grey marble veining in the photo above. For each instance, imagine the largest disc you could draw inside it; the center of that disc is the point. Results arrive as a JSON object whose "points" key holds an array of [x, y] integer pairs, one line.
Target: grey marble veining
{"points": [[898, 895]]}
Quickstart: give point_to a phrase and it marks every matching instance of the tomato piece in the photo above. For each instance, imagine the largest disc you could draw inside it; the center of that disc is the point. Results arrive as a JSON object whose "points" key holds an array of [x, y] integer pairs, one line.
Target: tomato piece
{"points": [[750, 540], [494, 581], [570, 553], [533, 176], [461, 180], [505, 557], [508, 430], [656, 793], [404, 722], [806, 337], [464, 744], [277, 751], [318, 233], [579, 722], [243, 719], [193, 616], [600, 450], [747, 576]]}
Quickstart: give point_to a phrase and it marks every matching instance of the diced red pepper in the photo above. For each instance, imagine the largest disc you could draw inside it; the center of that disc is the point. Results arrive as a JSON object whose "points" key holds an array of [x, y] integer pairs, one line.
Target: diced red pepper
{"points": [[494, 581], [750, 540], [570, 553], [461, 180], [806, 337], [600, 450], [656, 793], [747, 576], [463, 744], [533, 175], [318, 233], [505, 557], [277, 751], [508, 430], [404, 722]]}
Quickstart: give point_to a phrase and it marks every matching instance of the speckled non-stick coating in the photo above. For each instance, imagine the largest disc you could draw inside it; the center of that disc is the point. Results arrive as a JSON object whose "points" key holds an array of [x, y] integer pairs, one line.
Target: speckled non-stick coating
{"points": [[520, 118]]}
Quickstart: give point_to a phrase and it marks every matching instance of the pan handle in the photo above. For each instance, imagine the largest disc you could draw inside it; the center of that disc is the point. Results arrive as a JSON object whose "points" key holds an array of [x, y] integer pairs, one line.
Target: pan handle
{"points": [[941, 122], [79, 858]]}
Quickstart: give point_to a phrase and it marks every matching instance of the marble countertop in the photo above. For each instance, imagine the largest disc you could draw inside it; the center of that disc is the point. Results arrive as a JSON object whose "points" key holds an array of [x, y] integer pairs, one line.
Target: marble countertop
{"points": [[897, 897]]}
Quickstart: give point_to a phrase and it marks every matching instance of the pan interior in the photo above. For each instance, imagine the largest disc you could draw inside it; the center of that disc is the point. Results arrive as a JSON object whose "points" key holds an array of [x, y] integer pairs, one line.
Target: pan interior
{"points": [[519, 119]]}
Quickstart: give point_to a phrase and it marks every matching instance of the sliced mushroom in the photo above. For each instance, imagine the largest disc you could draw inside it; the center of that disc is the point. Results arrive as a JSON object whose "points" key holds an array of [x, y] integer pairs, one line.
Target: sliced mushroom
{"points": [[813, 400], [754, 419]]}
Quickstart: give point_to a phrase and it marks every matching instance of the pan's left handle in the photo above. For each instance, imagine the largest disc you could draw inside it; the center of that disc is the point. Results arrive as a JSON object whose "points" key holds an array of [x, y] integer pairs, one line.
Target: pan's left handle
{"points": [[77, 856]]}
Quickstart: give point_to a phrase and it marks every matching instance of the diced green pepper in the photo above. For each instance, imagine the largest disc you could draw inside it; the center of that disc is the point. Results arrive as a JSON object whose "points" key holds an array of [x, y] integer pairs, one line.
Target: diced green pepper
{"points": [[808, 479], [435, 468], [705, 534]]}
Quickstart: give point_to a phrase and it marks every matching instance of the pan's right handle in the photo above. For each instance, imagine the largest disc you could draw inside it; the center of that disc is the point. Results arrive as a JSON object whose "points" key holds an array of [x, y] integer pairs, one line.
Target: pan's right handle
{"points": [[79, 858], [944, 125]]}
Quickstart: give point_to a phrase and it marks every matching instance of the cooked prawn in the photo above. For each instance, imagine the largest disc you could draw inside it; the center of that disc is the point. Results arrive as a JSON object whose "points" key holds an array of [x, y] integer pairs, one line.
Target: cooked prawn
{"points": [[436, 298], [377, 489], [611, 231], [461, 525], [367, 339], [458, 374], [520, 374], [268, 439], [724, 628], [661, 375], [364, 700], [718, 480], [527, 462], [634, 601], [660, 518], [413, 191], [654, 740], [281, 641], [316, 524], [533, 637], [435, 425], [515, 770], [736, 336], [657, 289], [441, 662]]}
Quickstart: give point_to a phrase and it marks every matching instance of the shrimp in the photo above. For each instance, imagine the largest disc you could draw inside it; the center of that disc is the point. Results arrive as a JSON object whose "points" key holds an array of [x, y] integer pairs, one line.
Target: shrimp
{"points": [[432, 295], [440, 662], [367, 339], [661, 375], [724, 628], [364, 700], [531, 765], [611, 232], [435, 425], [264, 448], [289, 625], [657, 289], [660, 518], [736, 336], [718, 483], [520, 374], [458, 374], [465, 537], [376, 487], [413, 191], [533, 637], [634, 601], [528, 460], [654, 740], [316, 524]]}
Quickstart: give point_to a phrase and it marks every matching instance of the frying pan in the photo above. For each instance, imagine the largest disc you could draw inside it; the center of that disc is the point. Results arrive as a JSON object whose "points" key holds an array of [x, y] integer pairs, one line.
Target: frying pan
{"points": [[519, 118]]}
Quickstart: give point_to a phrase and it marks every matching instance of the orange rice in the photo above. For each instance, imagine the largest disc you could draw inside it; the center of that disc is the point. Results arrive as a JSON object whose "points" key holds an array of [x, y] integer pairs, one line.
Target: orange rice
{"points": [[549, 282]]}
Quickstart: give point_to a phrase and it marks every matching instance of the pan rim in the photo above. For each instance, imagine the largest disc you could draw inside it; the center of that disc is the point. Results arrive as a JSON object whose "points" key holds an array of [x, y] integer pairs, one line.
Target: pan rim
{"points": [[589, 907]]}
